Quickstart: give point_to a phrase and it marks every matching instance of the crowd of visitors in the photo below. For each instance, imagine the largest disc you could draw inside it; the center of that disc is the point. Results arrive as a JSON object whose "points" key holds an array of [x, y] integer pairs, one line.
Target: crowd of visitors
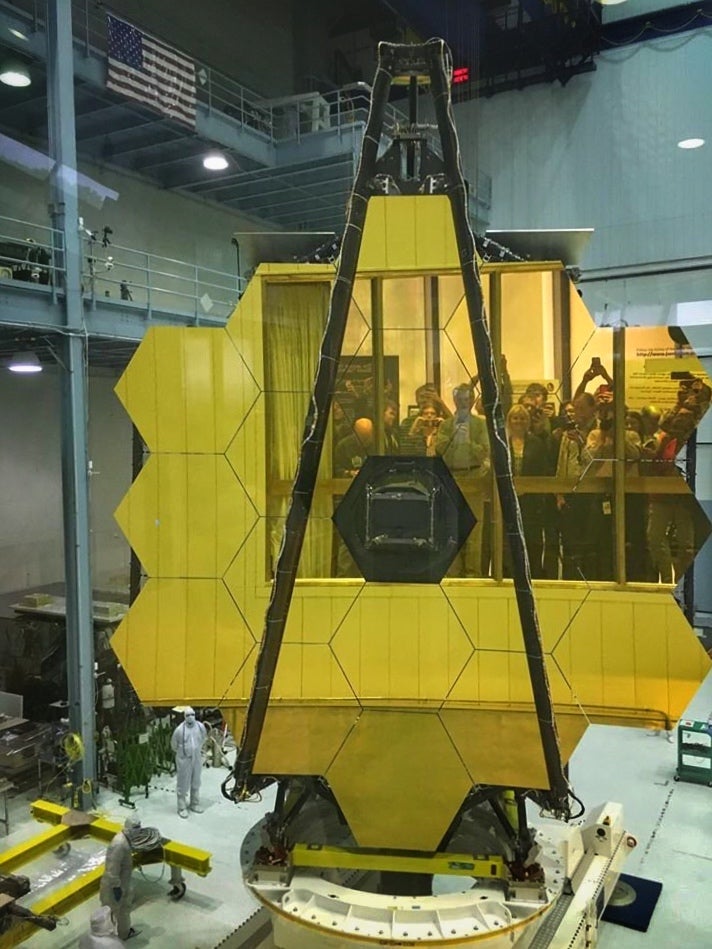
{"points": [[569, 528]]}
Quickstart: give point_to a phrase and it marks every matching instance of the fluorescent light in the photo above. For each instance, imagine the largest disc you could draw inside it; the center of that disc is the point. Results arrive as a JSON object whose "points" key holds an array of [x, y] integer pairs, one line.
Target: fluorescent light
{"points": [[215, 161], [15, 74], [688, 143], [610, 3], [17, 33], [25, 362]]}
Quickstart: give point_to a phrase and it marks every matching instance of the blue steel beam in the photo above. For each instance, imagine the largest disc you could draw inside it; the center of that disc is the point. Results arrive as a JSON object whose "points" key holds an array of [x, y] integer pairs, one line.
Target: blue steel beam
{"points": [[75, 474]]}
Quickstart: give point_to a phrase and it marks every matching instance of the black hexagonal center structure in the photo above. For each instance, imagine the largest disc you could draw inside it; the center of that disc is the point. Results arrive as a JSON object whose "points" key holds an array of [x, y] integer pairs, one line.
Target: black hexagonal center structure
{"points": [[404, 519]]}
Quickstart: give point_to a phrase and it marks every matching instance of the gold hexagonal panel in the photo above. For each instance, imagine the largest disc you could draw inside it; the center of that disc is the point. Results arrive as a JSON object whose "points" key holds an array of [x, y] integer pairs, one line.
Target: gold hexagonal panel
{"points": [[634, 651], [245, 454], [401, 643], [399, 780], [187, 389], [416, 234], [245, 329], [303, 739], [184, 641], [491, 620], [502, 746], [186, 515], [317, 609], [494, 677], [309, 671]]}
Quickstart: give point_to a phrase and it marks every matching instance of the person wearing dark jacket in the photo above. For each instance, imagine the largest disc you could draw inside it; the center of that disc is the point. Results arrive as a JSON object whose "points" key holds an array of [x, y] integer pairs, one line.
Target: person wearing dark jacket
{"points": [[530, 457]]}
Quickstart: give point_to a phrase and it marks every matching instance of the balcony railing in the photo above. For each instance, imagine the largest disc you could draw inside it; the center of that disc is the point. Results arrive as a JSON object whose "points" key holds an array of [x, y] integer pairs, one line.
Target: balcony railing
{"points": [[32, 254], [154, 282]]}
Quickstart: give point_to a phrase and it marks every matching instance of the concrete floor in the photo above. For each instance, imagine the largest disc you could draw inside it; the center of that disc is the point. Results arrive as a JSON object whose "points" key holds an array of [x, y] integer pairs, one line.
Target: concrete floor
{"points": [[672, 822]]}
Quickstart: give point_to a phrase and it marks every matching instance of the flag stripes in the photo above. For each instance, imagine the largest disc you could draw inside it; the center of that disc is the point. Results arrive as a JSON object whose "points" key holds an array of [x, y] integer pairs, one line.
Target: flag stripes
{"points": [[143, 68]]}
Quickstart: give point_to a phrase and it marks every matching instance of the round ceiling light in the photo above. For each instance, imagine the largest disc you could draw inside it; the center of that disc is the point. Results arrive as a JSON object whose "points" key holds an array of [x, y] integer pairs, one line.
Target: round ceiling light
{"points": [[25, 363], [689, 143], [215, 162], [15, 74]]}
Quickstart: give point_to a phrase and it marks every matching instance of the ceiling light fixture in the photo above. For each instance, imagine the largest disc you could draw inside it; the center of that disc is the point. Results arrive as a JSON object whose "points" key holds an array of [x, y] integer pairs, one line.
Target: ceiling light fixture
{"points": [[25, 362], [610, 3], [17, 33], [689, 143], [15, 74], [215, 161]]}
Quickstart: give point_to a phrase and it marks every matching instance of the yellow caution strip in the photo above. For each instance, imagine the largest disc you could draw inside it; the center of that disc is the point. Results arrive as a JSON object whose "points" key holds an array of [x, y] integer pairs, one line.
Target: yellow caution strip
{"points": [[348, 858]]}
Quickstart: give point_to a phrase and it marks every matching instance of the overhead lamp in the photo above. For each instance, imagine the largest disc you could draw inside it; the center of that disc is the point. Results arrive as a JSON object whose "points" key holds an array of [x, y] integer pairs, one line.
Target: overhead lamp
{"points": [[14, 73], [215, 161], [17, 34], [610, 3], [689, 143], [25, 362]]}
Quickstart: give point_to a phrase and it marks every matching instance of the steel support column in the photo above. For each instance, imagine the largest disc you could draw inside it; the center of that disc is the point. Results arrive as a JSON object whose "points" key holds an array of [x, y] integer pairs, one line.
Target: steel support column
{"points": [[75, 477]]}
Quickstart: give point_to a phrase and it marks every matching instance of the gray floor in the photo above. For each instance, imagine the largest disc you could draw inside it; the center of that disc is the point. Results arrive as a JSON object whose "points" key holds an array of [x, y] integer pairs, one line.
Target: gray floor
{"points": [[672, 822]]}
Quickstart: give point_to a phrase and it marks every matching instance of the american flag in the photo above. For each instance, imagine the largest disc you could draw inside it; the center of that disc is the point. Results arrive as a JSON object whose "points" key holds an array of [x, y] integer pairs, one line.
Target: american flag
{"points": [[143, 68]]}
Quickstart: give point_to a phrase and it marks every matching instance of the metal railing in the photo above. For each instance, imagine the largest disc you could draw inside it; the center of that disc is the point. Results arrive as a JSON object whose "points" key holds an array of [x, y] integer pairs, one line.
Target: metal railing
{"points": [[289, 118], [153, 282], [275, 120], [31, 253]]}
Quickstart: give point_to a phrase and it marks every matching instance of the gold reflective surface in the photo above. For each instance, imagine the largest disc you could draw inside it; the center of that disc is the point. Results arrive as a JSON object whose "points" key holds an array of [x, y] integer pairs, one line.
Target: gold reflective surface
{"points": [[404, 695]]}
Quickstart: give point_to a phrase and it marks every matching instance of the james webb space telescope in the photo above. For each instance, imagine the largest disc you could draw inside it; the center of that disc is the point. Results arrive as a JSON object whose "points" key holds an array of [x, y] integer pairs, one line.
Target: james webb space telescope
{"points": [[404, 519], [412, 722]]}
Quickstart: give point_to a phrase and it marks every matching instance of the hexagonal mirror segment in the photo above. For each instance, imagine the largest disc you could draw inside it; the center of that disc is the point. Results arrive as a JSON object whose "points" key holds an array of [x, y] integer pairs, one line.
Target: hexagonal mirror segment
{"points": [[404, 519]]}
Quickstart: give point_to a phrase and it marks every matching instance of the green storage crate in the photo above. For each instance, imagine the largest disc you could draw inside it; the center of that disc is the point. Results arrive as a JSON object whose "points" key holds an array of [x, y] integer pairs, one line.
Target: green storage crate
{"points": [[694, 752]]}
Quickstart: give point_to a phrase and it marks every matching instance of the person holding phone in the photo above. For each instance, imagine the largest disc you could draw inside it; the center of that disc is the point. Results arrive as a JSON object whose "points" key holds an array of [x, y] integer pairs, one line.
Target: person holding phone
{"points": [[422, 434], [595, 370]]}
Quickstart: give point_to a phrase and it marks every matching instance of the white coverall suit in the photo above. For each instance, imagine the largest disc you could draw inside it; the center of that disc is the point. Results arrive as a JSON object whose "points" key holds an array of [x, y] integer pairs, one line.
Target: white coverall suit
{"points": [[187, 743], [114, 891], [102, 934]]}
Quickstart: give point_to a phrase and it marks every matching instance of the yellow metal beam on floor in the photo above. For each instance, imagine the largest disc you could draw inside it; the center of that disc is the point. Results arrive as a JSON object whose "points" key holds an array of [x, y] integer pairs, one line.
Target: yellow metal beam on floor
{"points": [[56, 904], [187, 858], [103, 829], [71, 895], [86, 885], [30, 849], [48, 811], [100, 828], [347, 858]]}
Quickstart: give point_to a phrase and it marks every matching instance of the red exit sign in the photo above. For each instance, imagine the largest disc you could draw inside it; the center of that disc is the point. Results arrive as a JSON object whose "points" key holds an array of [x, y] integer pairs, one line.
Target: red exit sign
{"points": [[461, 74]]}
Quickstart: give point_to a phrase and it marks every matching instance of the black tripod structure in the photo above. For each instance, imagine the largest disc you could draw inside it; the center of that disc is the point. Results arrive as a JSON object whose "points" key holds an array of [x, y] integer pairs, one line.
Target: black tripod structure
{"points": [[408, 166]]}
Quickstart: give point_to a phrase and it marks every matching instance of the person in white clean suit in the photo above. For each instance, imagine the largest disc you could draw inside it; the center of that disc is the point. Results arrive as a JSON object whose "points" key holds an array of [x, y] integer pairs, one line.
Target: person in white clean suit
{"points": [[187, 744], [102, 932], [115, 888]]}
